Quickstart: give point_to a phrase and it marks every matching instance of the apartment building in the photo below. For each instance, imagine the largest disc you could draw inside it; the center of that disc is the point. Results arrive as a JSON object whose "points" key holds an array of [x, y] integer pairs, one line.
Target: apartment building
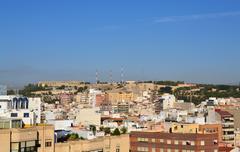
{"points": [[115, 96], [33, 139], [165, 102], [197, 128], [123, 107], [27, 109], [227, 121], [173, 142]]}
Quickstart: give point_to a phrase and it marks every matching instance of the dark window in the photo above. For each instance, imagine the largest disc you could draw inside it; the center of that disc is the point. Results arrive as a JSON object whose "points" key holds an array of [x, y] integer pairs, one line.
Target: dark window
{"points": [[26, 115], [48, 144], [14, 114]]}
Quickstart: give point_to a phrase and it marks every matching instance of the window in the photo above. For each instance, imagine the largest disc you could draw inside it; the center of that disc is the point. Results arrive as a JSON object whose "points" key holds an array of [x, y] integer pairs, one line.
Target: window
{"points": [[142, 149], [23, 144], [142, 139], [30, 143], [161, 150], [188, 142], [215, 150], [14, 115], [14, 147], [48, 144], [192, 143], [168, 150], [117, 148], [176, 142], [202, 143], [26, 115], [153, 149], [16, 124], [168, 142], [176, 150], [153, 140], [184, 143], [161, 141]]}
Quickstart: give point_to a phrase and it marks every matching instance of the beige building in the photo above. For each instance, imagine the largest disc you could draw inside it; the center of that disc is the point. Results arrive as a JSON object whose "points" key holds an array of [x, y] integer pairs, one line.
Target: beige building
{"points": [[61, 83], [89, 116], [116, 96], [34, 139], [104, 144]]}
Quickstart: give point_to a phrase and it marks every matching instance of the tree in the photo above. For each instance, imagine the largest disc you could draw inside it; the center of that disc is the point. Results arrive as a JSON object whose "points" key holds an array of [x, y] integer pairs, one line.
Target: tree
{"points": [[116, 132], [107, 130], [62, 87], [73, 136], [124, 130], [93, 129], [11, 92], [166, 89], [27, 90], [101, 128]]}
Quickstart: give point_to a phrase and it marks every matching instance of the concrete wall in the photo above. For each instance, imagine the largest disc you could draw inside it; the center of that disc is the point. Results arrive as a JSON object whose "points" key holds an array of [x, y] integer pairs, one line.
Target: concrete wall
{"points": [[46, 134], [107, 144], [5, 140]]}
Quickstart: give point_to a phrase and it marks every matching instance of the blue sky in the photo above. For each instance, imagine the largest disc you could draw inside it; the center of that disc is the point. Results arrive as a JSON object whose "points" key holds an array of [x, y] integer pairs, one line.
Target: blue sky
{"points": [[194, 41]]}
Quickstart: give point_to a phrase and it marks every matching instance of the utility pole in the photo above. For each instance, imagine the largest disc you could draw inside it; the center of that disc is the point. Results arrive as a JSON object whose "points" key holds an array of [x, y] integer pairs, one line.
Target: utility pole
{"points": [[111, 77]]}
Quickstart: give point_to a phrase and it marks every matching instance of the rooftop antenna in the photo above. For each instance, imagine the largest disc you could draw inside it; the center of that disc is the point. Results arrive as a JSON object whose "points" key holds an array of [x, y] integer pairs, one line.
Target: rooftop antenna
{"points": [[111, 77], [97, 79], [122, 75]]}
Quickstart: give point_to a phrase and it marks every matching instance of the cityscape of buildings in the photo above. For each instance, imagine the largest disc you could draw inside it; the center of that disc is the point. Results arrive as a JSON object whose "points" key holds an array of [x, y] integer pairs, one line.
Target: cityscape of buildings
{"points": [[119, 76], [73, 116]]}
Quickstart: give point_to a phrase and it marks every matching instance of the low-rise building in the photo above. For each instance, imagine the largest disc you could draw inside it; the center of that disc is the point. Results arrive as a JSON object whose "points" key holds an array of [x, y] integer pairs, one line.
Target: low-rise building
{"points": [[89, 116], [102, 144]]}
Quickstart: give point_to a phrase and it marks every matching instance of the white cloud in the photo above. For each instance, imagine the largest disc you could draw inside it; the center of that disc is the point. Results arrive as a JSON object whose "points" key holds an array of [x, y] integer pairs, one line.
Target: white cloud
{"points": [[195, 17]]}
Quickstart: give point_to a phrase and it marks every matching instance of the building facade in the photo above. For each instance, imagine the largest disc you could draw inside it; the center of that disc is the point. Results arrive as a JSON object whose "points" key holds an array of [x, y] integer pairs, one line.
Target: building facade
{"points": [[18, 107], [173, 142], [227, 121], [34, 139], [104, 144]]}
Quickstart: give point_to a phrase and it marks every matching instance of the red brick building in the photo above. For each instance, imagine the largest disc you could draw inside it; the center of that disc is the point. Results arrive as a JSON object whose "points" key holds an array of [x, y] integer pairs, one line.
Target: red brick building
{"points": [[173, 142], [100, 98]]}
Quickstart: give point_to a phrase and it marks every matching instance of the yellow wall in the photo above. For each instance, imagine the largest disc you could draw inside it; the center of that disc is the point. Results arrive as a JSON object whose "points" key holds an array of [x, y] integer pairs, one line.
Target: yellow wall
{"points": [[185, 128], [40, 133], [108, 144], [4, 140], [120, 96]]}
